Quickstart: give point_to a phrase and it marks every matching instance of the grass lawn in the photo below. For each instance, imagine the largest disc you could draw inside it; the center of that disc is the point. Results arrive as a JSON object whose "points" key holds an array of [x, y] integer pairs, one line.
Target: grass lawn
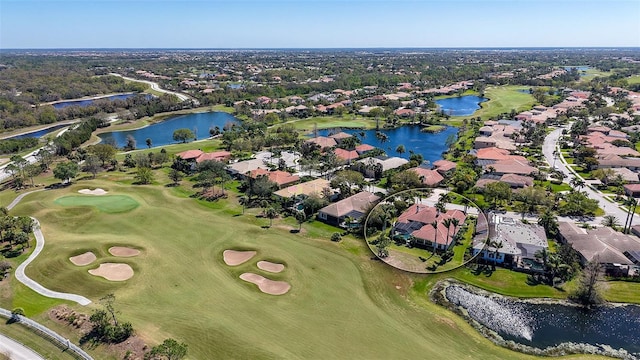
{"points": [[328, 122], [106, 203], [622, 291], [502, 99], [339, 303], [25, 336]]}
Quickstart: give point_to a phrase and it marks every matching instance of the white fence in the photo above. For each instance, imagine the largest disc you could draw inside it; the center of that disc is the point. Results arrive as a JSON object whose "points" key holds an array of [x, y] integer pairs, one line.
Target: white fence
{"points": [[49, 334]]}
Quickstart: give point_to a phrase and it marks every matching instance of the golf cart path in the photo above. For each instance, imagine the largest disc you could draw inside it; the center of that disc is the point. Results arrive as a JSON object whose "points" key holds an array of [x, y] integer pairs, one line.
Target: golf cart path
{"points": [[23, 278], [16, 351]]}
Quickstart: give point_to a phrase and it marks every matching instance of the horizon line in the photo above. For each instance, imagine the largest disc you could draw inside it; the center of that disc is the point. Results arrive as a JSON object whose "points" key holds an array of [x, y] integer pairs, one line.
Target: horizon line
{"points": [[325, 48]]}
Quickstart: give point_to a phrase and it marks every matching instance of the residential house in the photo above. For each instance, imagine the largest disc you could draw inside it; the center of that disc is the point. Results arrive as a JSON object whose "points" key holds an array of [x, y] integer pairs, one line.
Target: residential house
{"points": [[444, 167], [346, 155], [387, 163], [616, 161], [610, 247], [415, 223], [303, 190], [339, 137], [364, 148], [355, 207], [632, 190], [512, 243], [281, 178], [429, 178], [323, 141]]}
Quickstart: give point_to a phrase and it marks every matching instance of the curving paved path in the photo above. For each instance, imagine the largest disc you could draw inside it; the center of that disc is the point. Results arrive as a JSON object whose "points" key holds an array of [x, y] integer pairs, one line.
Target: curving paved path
{"points": [[23, 278], [610, 208], [156, 87], [16, 351]]}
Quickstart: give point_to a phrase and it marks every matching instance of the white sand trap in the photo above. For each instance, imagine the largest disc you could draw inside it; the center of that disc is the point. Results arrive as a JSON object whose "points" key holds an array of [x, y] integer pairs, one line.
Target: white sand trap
{"points": [[113, 271], [265, 285], [234, 257], [97, 191], [122, 251], [83, 259], [270, 267]]}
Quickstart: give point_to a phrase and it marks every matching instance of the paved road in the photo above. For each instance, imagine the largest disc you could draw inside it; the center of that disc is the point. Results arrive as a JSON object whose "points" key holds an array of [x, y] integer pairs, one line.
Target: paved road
{"points": [[550, 144], [23, 278], [156, 87], [16, 351]]}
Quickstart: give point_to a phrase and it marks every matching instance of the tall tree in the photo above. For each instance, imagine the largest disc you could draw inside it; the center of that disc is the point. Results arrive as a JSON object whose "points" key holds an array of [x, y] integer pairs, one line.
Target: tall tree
{"points": [[66, 171], [588, 292]]}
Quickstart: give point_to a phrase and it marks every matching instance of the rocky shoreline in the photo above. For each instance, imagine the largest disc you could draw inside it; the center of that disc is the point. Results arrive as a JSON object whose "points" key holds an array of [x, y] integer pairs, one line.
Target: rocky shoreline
{"points": [[438, 295]]}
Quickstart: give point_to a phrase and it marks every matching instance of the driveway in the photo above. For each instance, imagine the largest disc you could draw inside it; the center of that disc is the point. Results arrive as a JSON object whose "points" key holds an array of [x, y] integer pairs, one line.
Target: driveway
{"points": [[610, 208]]}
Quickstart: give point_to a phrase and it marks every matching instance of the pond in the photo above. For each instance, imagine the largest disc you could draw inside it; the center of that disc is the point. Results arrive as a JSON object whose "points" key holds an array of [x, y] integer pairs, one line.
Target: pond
{"points": [[87, 102], [429, 145], [39, 133], [543, 325], [162, 133], [460, 105]]}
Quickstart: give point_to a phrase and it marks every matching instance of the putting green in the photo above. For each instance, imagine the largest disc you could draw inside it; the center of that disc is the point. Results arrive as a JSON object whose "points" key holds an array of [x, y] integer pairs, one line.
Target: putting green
{"points": [[107, 203]]}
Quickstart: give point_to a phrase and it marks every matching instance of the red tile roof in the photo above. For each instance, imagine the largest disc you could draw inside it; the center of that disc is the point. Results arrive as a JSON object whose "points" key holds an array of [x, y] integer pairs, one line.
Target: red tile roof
{"points": [[346, 155], [444, 165], [190, 154], [364, 148], [279, 177], [428, 177], [215, 156]]}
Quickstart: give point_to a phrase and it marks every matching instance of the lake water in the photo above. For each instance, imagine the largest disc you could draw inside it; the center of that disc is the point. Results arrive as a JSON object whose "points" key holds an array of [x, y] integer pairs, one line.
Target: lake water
{"points": [[460, 105], [39, 133], [545, 325], [430, 145], [162, 133], [83, 103]]}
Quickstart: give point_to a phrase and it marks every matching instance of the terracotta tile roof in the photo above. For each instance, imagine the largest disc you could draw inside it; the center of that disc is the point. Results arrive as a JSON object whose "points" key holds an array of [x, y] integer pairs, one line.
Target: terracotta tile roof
{"points": [[323, 141], [364, 148], [517, 180], [425, 215], [279, 177], [190, 154], [346, 155], [428, 177], [444, 166], [215, 156], [513, 166], [341, 135]]}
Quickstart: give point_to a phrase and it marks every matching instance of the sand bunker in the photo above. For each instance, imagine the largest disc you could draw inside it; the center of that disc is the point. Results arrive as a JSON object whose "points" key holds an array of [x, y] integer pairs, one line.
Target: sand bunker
{"points": [[234, 257], [122, 251], [265, 285], [270, 267], [97, 191], [113, 271], [83, 259]]}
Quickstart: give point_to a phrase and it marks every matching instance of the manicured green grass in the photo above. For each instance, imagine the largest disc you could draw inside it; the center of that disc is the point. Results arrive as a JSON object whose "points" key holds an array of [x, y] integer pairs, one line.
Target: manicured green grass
{"points": [[328, 122], [105, 203], [502, 99], [28, 338], [433, 128], [622, 291], [340, 302]]}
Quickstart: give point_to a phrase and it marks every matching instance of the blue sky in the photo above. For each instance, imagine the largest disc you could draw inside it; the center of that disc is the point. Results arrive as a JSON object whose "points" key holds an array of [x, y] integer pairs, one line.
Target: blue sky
{"points": [[318, 23]]}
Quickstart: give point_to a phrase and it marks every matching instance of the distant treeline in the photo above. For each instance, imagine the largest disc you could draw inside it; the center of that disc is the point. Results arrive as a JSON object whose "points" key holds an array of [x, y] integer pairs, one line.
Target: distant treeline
{"points": [[73, 138]]}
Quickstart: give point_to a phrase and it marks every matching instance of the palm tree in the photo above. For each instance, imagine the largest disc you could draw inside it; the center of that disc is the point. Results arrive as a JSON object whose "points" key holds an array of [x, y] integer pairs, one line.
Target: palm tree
{"points": [[271, 213], [631, 204], [301, 217], [447, 223], [401, 149], [497, 245], [610, 221], [549, 222], [244, 201], [577, 182], [455, 222], [435, 235]]}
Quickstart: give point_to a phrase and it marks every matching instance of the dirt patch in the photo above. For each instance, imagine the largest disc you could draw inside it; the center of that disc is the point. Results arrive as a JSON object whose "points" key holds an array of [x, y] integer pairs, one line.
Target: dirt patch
{"points": [[122, 251], [83, 259], [265, 285], [447, 322], [81, 325], [235, 258], [113, 271], [270, 267], [97, 191]]}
